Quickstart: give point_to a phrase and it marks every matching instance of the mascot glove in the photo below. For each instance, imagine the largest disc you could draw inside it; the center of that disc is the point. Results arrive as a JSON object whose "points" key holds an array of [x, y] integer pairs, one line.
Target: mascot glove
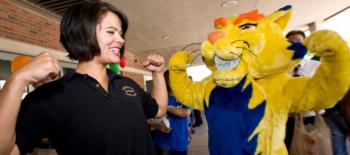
{"points": [[180, 60], [324, 43]]}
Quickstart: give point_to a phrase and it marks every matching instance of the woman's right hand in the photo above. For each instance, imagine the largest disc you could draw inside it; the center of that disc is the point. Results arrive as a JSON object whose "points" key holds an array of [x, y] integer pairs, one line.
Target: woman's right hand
{"points": [[41, 69], [37, 71]]}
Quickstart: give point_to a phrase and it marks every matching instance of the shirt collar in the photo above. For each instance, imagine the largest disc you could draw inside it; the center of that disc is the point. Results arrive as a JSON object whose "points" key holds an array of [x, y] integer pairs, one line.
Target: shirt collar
{"points": [[71, 73]]}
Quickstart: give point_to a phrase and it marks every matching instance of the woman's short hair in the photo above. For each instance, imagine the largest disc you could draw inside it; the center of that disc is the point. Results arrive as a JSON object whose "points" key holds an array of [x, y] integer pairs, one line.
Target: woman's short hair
{"points": [[78, 28]]}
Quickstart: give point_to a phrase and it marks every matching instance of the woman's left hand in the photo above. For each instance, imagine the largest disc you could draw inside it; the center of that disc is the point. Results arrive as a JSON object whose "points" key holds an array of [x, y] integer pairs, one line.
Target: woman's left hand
{"points": [[154, 63]]}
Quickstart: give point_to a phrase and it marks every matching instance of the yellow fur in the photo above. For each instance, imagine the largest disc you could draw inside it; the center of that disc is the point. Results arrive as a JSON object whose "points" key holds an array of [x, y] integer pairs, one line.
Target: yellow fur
{"points": [[265, 63]]}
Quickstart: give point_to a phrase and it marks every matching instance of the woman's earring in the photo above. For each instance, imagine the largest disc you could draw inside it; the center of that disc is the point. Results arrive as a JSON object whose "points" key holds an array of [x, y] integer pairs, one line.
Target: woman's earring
{"points": [[116, 67]]}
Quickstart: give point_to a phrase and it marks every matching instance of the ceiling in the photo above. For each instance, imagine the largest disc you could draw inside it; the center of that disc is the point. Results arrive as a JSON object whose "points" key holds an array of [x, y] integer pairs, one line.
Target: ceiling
{"points": [[189, 21], [58, 7]]}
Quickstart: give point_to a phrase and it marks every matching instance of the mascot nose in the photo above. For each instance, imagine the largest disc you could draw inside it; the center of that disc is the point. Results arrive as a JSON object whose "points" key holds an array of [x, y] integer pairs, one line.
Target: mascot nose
{"points": [[214, 36]]}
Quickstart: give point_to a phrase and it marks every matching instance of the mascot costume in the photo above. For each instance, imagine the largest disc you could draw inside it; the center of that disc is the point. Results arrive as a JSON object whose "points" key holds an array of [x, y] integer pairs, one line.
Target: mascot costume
{"points": [[249, 94]]}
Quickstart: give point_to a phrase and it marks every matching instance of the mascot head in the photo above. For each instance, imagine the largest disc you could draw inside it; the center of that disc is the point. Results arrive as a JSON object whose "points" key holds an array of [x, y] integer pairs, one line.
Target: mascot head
{"points": [[250, 44]]}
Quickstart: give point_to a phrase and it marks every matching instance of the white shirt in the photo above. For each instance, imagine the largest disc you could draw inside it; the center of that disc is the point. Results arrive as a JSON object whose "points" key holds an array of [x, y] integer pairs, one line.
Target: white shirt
{"points": [[308, 68]]}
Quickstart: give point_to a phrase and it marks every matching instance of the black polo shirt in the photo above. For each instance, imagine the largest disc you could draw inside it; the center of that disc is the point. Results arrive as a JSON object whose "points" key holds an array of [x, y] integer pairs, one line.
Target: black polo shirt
{"points": [[80, 117]]}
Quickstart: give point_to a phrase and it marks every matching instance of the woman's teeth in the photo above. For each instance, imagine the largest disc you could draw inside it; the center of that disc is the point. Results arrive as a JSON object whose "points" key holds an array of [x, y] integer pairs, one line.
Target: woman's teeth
{"points": [[115, 50]]}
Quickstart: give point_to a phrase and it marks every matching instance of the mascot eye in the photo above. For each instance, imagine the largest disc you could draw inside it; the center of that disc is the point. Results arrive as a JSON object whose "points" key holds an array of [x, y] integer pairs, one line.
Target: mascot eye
{"points": [[248, 26]]}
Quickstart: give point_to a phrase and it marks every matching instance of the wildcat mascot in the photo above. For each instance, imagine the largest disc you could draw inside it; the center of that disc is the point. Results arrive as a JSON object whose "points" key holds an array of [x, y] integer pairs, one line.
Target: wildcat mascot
{"points": [[249, 94]]}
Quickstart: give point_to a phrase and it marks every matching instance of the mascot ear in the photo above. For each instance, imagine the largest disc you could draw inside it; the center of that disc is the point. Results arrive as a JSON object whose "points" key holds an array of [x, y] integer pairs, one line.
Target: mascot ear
{"points": [[281, 17]]}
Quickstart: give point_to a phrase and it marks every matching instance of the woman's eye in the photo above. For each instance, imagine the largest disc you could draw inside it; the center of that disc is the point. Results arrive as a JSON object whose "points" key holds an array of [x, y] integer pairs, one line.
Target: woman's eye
{"points": [[248, 26], [110, 32]]}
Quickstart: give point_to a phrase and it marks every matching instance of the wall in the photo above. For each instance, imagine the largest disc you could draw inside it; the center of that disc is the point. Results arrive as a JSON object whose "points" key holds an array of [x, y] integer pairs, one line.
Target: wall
{"points": [[136, 77], [135, 62], [4, 69], [24, 25]]}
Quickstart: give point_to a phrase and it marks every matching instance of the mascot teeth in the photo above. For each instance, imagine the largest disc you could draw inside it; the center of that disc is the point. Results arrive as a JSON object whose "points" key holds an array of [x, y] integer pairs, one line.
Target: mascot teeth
{"points": [[226, 65]]}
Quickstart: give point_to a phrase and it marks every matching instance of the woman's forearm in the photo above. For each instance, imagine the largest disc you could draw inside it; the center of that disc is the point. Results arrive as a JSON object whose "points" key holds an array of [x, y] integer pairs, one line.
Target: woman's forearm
{"points": [[159, 92], [10, 102]]}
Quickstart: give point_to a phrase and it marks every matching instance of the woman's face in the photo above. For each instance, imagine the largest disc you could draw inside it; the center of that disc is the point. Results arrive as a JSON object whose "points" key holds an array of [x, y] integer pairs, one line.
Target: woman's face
{"points": [[109, 37]]}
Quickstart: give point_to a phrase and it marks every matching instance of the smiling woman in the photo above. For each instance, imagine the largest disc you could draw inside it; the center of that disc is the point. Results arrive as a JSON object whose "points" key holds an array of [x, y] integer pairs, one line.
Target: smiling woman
{"points": [[90, 110]]}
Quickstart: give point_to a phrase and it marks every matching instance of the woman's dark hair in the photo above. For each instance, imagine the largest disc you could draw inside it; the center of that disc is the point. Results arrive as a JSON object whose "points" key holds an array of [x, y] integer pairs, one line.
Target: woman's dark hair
{"points": [[78, 28], [294, 32]]}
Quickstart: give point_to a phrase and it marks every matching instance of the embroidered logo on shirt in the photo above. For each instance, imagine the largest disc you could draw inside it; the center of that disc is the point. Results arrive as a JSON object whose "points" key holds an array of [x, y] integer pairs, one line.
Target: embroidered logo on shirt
{"points": [[129, 91]]}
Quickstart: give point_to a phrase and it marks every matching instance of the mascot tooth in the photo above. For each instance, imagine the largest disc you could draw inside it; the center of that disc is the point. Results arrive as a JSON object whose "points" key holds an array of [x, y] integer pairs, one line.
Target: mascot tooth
{"points": [[249, 94]]}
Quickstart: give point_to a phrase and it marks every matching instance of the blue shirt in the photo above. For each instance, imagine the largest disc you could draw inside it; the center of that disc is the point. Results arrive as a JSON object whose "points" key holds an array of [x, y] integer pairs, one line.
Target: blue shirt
{"points": [[177, 139]]}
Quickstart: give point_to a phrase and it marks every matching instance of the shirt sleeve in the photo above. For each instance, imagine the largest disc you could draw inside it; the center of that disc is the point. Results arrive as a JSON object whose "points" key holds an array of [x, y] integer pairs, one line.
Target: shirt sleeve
{"points": [[149, 105], [30, 127]]}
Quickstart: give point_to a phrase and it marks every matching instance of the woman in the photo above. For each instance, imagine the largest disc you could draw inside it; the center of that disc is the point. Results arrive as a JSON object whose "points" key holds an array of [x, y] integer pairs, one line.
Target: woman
{"points": [[90, 110]]}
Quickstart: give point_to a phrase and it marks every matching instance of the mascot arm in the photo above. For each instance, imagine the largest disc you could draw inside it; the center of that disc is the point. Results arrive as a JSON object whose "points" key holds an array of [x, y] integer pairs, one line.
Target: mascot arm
{"points": [[187, 92], [332, 78]]}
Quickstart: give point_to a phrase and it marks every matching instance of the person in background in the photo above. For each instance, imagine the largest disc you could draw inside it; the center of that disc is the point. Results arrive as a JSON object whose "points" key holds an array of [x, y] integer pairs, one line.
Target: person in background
{"points": [[196, 116], [345, 111], [176, 141], [306, 68], [192, 120], [333, 117], [338, 121], [90, 110]]}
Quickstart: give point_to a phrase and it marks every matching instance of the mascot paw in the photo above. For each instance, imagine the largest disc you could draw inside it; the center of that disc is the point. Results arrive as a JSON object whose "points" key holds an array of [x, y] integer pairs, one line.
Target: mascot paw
{"points": [[180, 59], [324, 43]]}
